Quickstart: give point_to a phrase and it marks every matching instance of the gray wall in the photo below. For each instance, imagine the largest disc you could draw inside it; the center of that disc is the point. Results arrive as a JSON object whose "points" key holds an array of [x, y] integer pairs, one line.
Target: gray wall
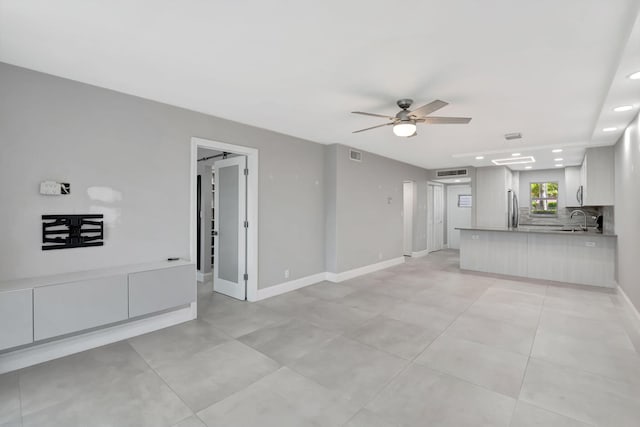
{"points": [[331, 193], [369, 229], [53, 128], [627, 206]]}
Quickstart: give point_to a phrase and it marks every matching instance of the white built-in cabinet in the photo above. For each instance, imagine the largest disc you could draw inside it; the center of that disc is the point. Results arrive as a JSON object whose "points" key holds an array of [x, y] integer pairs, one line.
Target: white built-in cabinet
{"points": [[597, 177], [46, 308], [16, 318], [492, 184], [572, 185]]}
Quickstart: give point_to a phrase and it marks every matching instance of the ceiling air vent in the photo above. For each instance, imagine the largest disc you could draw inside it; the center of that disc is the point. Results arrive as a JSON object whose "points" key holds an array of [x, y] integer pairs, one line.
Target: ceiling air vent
{"points": [[512, 136], [452, 172], [356, 156]]}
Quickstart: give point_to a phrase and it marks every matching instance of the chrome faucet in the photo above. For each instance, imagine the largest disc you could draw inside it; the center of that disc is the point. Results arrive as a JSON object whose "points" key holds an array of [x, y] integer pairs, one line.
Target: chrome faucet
{"points": [[577, 211]]}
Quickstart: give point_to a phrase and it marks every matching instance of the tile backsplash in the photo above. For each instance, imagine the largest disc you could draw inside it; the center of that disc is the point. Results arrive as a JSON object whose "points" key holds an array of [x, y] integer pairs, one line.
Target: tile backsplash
{"points": [[563, 217]]}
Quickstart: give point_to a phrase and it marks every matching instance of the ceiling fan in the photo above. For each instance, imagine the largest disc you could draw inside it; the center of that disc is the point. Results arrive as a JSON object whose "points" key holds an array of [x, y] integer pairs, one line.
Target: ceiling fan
{"points": [[404, 123]]}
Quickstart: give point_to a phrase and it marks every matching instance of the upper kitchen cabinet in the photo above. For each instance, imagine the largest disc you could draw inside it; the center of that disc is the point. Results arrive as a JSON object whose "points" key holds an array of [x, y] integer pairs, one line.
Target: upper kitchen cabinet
{"points": [[572, 185], [597, 178]]}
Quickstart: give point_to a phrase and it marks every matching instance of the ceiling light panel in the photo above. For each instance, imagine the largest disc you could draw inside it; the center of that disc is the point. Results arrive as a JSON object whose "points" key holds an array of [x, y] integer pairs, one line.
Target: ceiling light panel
{"points": [[557, 150], [635, 76], [514, 161], [623, 108], [612, 129]]}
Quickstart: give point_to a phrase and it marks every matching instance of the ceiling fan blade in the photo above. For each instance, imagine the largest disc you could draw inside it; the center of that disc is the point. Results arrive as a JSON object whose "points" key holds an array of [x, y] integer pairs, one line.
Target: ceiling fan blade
{"points": [[373, 115], [373, 127], [429, 108], [445, 120]]}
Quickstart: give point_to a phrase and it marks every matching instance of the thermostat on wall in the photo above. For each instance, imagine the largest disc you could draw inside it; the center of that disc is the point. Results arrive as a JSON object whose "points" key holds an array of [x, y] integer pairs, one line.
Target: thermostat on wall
{"points": [[52, 188]]}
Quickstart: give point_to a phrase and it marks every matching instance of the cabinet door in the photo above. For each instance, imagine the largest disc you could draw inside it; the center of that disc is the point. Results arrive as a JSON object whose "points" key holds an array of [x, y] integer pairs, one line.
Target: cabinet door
{"points": [[16, 318], [599, 176], [72, 307], [162, 289], [572, 185]]}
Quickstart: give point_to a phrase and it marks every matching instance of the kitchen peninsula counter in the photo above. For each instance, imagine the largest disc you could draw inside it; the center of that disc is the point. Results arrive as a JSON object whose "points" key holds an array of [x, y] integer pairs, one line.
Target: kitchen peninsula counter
{"points": [[537, 252]]}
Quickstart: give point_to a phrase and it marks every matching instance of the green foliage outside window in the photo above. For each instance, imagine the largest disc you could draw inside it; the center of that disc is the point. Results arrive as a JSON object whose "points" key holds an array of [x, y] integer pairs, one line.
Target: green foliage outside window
{"points": [[544, 198]]}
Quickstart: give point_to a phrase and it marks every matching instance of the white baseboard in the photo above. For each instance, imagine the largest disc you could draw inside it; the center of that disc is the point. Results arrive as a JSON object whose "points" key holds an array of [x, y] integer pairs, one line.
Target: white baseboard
{"points": [[52, 350], [632, 307], [350, 274], [420, 253], [292, 285], [203, 277]]}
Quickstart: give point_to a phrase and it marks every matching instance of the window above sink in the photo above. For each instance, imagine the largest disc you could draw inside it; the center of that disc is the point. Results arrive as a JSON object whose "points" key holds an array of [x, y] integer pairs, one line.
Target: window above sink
{"points": [[544, 198]]}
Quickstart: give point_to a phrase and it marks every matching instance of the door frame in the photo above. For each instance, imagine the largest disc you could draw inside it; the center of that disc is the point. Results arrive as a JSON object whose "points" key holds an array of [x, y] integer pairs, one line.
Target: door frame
{"points": [[252, 205], [411, 219], [431, 214]]}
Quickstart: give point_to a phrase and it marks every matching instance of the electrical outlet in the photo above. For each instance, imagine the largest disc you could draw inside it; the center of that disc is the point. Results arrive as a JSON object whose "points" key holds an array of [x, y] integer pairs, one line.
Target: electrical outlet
{"points": [[286, 274]]}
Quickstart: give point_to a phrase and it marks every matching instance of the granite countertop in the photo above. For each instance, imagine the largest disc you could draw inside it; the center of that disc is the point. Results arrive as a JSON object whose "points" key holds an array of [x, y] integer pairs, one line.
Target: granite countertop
{"points": [[542, 229]]}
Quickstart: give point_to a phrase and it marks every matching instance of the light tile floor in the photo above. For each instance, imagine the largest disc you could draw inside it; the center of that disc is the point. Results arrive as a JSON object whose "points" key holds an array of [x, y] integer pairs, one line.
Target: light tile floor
{"points": [[420, 344]]}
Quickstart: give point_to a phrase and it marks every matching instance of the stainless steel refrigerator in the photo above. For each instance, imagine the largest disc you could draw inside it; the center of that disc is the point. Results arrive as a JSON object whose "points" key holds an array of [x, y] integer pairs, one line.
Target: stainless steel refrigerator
{"points": [[513, 213]]}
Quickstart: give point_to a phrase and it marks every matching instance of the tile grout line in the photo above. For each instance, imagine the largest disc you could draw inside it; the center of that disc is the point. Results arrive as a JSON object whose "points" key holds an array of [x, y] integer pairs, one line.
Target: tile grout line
{"points": [[160, 377], [409, 362], [524, 373]]}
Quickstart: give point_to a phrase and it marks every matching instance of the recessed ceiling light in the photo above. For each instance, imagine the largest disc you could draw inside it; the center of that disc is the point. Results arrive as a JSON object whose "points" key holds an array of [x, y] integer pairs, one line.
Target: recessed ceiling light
{"points": [[635, 76], [514, 161], [557, 150], [559, 165], [609, 129], [515, 154], [559, 159], [479, 157], [623, 108], [528, 167]]}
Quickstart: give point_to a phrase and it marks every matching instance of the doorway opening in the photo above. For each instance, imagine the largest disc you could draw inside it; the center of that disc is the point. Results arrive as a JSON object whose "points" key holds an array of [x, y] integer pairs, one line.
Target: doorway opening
{"points": [[224, 225], [435, 217], [408, 202]]}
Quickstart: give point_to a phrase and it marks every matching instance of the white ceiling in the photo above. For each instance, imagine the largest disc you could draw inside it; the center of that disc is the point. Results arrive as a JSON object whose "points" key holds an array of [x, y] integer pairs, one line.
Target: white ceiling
{"points": [[542, 68]]}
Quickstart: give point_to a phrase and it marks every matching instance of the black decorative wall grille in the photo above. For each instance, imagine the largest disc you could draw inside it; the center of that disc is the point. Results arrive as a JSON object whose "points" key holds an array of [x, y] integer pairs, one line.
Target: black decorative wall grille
{"points": [[72, 231]]}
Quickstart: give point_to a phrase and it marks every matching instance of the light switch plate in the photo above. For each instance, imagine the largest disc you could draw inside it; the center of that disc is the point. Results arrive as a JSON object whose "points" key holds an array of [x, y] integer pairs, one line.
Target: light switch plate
{"points": [[53, 188]]}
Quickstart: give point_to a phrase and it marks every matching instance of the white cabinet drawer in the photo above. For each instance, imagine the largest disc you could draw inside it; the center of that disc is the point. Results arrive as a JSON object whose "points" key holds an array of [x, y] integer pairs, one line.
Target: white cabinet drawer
{"points": [[71, 307], [16, 318], [157, 290]]}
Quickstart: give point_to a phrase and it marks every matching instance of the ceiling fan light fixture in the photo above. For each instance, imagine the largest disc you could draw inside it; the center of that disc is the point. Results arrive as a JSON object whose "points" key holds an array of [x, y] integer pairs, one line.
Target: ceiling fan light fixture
{"points": [[404, 128]]}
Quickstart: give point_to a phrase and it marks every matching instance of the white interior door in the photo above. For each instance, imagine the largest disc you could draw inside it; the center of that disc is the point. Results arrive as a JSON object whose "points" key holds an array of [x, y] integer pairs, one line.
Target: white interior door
{"points": [[438, 203], [229, 233], [435, 218], [457, 216], [408, 217]]}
